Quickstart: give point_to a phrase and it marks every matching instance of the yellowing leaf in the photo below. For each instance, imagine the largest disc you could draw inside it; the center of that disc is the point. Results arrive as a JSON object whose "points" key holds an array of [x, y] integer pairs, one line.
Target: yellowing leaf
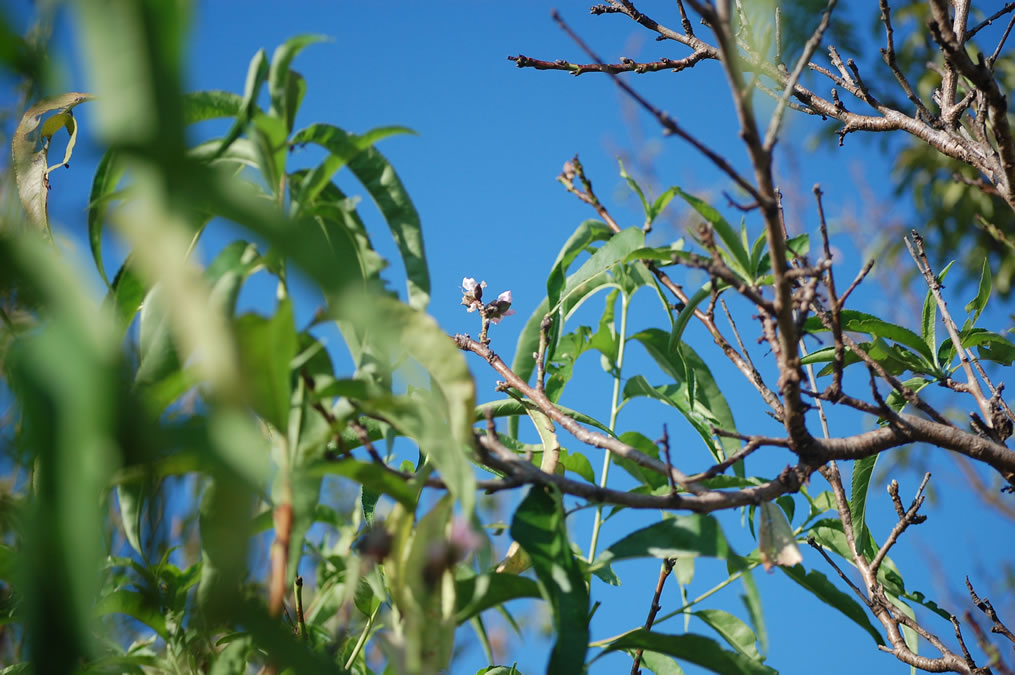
{"points": [[777, 544], [30, 151]]}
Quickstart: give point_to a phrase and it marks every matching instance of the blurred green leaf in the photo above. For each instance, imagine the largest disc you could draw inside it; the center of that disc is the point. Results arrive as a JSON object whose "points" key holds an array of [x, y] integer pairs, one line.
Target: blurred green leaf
{"points": [[266, 347], [479, 593], [135, 604], [370, 475], [282, 105], [539, 527]]}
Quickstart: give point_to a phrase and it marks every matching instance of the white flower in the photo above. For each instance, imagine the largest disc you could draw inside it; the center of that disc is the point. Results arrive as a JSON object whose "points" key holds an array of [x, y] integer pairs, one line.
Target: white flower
{"points": [[469, 284], [472, 293]]}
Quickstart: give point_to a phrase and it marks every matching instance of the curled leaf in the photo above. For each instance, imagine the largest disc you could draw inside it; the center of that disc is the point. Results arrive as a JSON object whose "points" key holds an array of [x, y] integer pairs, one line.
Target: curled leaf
{"points": [[30, 151]]}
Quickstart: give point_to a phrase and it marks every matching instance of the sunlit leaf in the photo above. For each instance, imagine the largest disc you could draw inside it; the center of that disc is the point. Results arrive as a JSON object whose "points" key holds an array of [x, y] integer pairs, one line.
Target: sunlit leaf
{"points": [[737, 633], [679, 536], [776, 542], [279, 76], [818, 584]]}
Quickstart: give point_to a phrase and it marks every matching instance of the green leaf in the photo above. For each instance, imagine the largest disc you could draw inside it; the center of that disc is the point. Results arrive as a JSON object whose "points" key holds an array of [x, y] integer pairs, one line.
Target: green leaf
{"points": [[977, 304], [512, 407], [257, 73], [279, 76], [863, 471], [479, 593], [157, 352], [210, 104], [540, 529], [585, 235], [677, 397], [610, 254], [696, 649], [29, 152], [578, 463], [928, 321], [637, 190], [131, 499], [688, 311], [641, 474], [266, 347], [679, 536], [132, 603], [661, 202], [741, 262], [528, 340], [683, 359], [370, 475], [400, 329], [342, 148], [382, 183], [107, 177], [737, 633], [818, 584], [861, 322]]}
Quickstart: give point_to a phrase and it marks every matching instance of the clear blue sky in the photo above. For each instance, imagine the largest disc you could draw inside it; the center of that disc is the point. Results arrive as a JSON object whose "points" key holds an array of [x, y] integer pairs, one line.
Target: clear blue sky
{"points": [[491, 139]]}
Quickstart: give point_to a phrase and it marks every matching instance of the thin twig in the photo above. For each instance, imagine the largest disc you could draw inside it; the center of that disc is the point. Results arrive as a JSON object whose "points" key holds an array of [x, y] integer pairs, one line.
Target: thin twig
{"points": [[664, 571]]}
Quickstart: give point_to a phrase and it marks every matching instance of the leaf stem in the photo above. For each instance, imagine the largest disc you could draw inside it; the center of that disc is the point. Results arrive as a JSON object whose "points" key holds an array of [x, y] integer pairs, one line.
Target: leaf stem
{"points": [[614, 410], [362, 638]]}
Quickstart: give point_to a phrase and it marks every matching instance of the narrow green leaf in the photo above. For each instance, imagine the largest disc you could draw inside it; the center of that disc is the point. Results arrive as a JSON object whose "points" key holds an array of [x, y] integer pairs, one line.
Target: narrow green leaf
{"points": [[633, 184], [342, 146], [688, 311], [266, 347], [512, 407], [680, 536], [696, 649], [677, 397], [131, 499], [610, 254], [528, 340], [257, 73], [662, 201], [540, 529], [976, 305], [863, 471], [818, 584], [737, 633], [741, 262], [586, 234], [861, 322], [278, 75], [478, 594], [107, 176], [386, 189]]}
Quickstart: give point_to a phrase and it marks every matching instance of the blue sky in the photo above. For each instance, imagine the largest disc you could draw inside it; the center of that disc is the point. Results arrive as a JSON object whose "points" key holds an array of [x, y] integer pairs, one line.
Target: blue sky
{"points": [[491, 139]]}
